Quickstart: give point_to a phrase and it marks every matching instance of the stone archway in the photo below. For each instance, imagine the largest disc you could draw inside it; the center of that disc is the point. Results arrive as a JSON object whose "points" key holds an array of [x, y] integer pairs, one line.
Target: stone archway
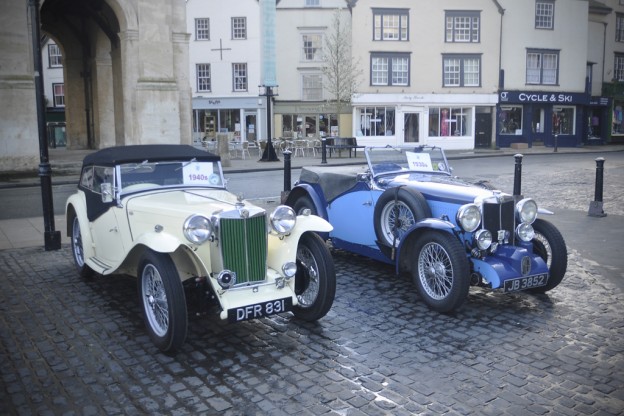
{"points": [[125, 71]]}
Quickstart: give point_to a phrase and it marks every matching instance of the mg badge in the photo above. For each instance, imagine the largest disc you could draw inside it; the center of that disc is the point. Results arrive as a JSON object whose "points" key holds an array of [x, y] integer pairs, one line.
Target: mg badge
{"points": [[526, 265]]}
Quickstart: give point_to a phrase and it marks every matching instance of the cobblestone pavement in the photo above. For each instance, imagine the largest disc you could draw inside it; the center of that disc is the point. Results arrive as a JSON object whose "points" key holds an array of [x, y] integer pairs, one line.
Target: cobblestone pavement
{"points": [[79, 347], [75, 347]]}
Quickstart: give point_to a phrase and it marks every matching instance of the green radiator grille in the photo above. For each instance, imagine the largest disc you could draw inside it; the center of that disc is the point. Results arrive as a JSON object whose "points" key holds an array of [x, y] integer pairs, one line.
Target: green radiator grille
{"points": [[244, 247]]}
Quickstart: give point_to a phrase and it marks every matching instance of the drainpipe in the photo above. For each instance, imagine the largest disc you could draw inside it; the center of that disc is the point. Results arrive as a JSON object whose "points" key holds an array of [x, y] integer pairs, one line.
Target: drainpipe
{"points": [[501, 76]]}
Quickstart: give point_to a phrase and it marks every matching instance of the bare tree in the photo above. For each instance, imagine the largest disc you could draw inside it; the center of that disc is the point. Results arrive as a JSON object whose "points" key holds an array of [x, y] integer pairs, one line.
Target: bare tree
{"points": [[341, 71]]}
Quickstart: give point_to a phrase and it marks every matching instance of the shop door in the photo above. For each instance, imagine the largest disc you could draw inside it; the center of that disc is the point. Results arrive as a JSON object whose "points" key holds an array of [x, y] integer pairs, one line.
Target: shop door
{"points": [[250, 127], [411, 131], [483, 130]]}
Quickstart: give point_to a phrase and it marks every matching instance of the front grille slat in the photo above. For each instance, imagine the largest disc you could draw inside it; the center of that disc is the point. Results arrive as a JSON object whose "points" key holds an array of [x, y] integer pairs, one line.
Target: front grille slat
{"points": [[500, 216], [244, 247]]}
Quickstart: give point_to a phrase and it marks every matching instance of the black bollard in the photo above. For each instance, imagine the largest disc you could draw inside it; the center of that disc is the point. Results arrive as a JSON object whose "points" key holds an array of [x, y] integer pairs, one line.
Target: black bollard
{"points": [[595, 207], [323, 150], [287, 173], [517, 187], [556, 142]]}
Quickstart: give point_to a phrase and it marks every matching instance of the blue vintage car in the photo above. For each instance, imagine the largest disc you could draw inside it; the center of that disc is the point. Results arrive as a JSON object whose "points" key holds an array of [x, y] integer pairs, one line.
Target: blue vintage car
{"points": [[407, 209]]}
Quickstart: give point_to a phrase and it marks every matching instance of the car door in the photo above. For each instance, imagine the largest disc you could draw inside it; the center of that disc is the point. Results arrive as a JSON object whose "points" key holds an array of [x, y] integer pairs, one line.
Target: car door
{"points": [[351, 215], [107, 241]]}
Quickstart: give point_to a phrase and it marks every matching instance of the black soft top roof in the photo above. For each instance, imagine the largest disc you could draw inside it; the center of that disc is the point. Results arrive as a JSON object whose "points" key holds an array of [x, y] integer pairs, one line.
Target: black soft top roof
{"points": [[150, 152]]}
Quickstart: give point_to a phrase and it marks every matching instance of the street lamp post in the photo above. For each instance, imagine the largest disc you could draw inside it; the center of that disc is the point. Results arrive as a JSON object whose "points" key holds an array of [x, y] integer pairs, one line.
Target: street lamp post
{"points": [[52, 238], [269, 154]]}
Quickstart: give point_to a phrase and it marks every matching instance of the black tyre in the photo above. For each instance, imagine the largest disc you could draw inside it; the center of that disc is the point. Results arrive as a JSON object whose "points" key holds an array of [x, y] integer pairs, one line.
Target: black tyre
{"points": [[78, 250], [396, 211], [304, 202], [163, 301], [441, 271], [315, 281], [548, 243]]}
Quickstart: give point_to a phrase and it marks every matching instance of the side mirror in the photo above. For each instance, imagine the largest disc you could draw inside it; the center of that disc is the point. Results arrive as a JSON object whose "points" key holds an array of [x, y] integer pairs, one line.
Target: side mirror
{"points": [[106, 189]]}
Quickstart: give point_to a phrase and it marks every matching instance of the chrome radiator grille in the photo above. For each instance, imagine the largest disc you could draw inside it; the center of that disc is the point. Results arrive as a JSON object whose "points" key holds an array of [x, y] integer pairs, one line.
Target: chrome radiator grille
{"points": [[500, 216], [244, 247]]}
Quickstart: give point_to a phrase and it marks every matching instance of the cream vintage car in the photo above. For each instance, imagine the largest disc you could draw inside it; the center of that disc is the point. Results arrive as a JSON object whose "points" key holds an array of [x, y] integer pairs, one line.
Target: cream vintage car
{"points": [[162, 213]]}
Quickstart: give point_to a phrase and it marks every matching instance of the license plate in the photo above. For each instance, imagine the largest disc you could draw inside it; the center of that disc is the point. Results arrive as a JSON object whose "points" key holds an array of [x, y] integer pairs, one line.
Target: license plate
{"points": [[523, 283], [259, 310]]}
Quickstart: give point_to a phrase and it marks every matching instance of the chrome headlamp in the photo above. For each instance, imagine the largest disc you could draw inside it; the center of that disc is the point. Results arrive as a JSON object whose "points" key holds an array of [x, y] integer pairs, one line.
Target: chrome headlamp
{"points": [[283, 219], [483, 239], [469, 217], [525, 232], [526, 210], [197, 229]]}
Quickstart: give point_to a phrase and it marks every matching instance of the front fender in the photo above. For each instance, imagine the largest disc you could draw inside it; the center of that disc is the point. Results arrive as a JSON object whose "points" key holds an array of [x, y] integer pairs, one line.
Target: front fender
{"points": [[75, 206], [506, 264], [283, 249], [159, 242], [305, 189], [427, 224]]}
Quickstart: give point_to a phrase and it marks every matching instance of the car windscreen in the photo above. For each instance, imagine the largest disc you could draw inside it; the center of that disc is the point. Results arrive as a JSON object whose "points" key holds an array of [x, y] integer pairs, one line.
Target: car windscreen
{"points": [[426, 159], [153, 175]]}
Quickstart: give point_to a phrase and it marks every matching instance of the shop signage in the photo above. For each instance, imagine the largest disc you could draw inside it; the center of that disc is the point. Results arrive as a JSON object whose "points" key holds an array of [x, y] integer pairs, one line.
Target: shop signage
{"points": [[599, 101], [542, 97]]}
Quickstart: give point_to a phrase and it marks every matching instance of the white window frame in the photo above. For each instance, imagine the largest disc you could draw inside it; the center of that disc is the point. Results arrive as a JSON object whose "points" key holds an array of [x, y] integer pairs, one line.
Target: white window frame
{"points": [[311, 87], [391, 25], [312, 47], [202, 28], [456, 70], [55, 58], [463, 26], [240, 77], [618, 67], [545, 14], [239, 28], [58, 92], [541, 71], [312, 3], [619, 27], [203, 77], [390, 69]]}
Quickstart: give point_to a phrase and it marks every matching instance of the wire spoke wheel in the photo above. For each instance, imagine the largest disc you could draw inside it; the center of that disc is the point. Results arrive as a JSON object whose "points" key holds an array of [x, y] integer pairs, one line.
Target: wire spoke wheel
{"points": [[156, 307], [435, 271]]}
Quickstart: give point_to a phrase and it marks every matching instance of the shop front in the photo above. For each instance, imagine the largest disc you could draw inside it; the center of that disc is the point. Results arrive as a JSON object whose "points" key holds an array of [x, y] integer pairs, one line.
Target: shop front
{"points": [[451, 121], [242, 118], [541, 118], [309, 120]]}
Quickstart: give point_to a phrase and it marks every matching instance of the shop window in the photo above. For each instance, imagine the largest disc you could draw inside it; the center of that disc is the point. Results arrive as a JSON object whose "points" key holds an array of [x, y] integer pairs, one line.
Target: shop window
{"points": [[618, 118], [376, 121], [449, 121], [563, 120], [510, 120]]}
